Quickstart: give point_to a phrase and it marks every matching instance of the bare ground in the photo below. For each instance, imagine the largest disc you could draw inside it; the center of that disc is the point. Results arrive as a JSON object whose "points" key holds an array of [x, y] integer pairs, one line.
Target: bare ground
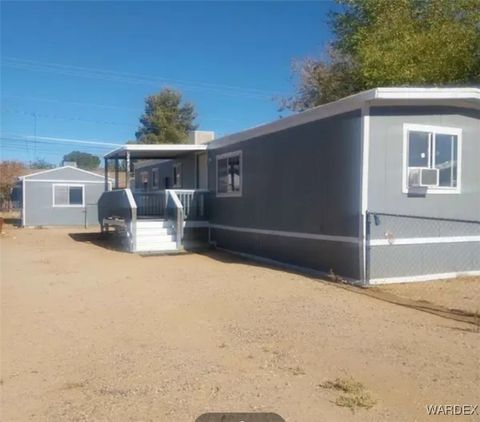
{"points": [[93, 334]]}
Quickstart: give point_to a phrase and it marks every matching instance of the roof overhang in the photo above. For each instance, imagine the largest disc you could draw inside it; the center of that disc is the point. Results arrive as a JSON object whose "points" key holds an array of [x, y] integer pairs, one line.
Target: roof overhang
{"points": [[468, 97], [154, 151]]}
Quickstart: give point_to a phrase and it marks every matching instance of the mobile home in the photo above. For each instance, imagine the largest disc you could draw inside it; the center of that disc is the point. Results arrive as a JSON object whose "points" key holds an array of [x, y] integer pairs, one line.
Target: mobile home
{"points": [[381, 186]]}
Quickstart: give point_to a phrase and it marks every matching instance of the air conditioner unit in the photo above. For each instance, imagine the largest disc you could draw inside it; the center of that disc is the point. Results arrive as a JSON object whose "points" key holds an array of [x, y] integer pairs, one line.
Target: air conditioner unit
{"points": [[423, 177]]}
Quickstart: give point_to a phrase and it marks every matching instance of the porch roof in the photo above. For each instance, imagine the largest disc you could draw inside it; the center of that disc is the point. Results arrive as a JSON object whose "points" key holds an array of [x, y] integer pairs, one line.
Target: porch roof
{"points": [[154, 151]]}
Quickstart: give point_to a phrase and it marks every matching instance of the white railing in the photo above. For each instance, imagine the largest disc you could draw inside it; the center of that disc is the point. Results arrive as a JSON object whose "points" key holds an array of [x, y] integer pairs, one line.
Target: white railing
{"points": [[118, 208], [150, 203], [193, 202], [175, 213]]}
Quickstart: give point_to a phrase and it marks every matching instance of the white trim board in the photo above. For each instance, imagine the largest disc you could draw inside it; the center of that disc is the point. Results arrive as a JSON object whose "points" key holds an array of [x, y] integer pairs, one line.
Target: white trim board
{"points": [[62, 168], [174, 149], [365, 148], [298, 235], [66, 181], [425, 277], [68, 185], [447, 130], [423, 240], [23, 204], [351, 103]]}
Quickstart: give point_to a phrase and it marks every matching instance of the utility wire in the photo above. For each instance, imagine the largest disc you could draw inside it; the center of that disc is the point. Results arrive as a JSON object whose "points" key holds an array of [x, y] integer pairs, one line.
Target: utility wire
{"points": [[59, 117], [80, 71], [61, 140]]}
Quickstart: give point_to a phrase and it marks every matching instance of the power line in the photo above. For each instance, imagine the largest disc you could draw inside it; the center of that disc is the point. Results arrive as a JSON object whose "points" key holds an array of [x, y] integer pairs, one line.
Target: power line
{"points": [[60, 140], [80, 103], [96, 73], [59, 117]]}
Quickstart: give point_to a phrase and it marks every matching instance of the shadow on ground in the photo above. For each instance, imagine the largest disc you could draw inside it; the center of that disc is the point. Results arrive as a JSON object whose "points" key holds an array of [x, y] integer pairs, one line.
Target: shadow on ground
{"points": [[459, 315], [17, 222], [103, 240]]}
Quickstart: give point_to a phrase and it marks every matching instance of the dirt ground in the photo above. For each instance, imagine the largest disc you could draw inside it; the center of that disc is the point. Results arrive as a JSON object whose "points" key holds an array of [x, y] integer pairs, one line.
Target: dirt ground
{"points": [[462, 293], [94, 334]]}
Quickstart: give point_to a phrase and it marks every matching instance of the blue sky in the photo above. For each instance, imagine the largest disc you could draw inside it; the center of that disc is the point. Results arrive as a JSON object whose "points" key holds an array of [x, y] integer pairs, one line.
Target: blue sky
{"points": [[84, 68]]}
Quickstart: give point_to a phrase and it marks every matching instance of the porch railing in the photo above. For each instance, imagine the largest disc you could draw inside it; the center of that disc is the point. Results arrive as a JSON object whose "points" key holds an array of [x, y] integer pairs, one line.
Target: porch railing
{"points": [[150, 204], [175, 213], [193, 202], [153, 204], [117, 207], [121, 207]]}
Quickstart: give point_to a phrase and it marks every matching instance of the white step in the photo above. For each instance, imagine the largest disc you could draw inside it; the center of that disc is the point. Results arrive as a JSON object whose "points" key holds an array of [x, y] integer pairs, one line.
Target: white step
{"points": [[154, 231], [156, 246], [153, 238], [153, 224]]}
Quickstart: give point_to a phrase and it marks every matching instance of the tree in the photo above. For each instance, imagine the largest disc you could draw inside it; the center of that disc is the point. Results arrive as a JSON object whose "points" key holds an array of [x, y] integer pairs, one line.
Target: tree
{"points": [[393, 43], [167, 120], [41, 164], [9, 173], [84, 160]]}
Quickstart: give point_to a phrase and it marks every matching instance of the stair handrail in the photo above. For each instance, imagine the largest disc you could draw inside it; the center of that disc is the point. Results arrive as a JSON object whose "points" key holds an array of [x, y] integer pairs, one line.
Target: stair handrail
{"points": [[133, 220], [178, 215]]}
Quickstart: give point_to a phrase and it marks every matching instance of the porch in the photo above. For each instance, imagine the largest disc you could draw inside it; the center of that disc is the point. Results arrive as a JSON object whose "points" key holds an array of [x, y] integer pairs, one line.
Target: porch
{"points": [[153, 220]]}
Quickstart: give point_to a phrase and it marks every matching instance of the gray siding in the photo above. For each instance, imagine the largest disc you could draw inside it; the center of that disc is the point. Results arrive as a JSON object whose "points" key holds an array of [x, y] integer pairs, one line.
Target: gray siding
{"points": [[385, 164], [305, 179], [165, 169], [445, 213], [40, 211]]}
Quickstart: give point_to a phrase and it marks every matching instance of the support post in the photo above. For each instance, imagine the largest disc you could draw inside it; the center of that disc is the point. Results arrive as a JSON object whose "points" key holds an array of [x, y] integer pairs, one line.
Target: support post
{"points": [[116, 174], [127, 170], [106, 173]]}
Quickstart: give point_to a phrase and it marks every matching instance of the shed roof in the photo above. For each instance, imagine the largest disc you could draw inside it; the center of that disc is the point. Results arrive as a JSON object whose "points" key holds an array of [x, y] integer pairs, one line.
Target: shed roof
{"points": [[53, 173]]}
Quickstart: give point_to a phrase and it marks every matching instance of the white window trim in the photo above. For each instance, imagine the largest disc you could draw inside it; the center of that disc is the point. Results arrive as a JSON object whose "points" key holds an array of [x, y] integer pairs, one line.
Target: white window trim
{"points": [[69, 185], [444, 130], [176, 185], [221, 157]]}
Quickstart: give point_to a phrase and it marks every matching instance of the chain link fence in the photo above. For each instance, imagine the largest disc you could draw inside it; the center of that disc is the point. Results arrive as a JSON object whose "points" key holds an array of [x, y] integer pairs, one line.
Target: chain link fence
{"points": [[403, 246]]}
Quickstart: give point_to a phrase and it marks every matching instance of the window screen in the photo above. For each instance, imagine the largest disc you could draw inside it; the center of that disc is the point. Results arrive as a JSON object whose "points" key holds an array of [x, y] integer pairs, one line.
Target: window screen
{"points": [[154, 178], [418, 147], [446, 159], [229, 177], [75, 195], [61, 195], [434, 150], [65, 195], [222, 175]]}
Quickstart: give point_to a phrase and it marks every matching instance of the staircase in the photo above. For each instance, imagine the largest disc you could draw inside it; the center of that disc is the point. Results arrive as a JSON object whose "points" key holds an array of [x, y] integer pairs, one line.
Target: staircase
{"points": [[155, 236]]}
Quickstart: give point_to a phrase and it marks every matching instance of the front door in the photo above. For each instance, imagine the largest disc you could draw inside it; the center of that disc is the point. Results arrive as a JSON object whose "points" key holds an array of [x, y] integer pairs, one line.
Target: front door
{"points": [[202, 180]]}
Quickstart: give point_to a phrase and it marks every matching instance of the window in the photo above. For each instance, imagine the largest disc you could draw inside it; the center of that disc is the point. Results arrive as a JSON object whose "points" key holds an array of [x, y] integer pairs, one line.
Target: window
{"points": [[144, 180], [154, 178], [177, 175], [68, 195], [229, 174], [432, 158]]}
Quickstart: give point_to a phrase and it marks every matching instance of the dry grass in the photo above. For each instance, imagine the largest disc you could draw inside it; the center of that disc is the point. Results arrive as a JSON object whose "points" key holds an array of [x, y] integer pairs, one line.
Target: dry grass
{"points": [[355, 395]]}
